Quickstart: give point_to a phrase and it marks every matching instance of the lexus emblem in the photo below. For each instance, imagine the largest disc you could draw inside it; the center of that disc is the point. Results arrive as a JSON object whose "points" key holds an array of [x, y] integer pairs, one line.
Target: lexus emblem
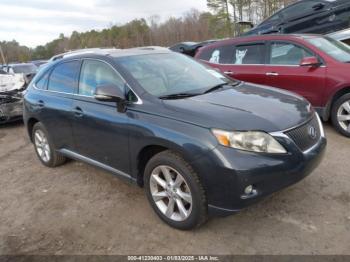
{"points": [[312, 132]]}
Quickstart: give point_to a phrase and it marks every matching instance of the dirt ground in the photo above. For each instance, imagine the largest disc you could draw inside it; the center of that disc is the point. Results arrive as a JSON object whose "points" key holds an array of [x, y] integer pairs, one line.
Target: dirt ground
{"points": [[78, 209]]}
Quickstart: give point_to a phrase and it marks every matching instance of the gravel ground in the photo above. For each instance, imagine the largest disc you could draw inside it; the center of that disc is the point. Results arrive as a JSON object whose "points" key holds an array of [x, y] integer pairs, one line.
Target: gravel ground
{"points": [[78, 209]]}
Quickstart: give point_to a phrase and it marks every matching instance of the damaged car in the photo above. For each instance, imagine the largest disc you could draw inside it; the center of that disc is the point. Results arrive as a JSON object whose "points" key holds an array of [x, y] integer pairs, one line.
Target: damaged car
{"points": [[28, 70], [11, 96]]}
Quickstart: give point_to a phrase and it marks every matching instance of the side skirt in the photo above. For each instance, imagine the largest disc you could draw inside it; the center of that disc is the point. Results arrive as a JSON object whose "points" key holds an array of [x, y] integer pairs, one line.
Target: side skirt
{"points": [[95, 163]]}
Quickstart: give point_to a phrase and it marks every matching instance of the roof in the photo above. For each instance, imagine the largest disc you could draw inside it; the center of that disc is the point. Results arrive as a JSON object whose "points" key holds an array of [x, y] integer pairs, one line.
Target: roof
{"points": [[113, 52], [257, 38]]}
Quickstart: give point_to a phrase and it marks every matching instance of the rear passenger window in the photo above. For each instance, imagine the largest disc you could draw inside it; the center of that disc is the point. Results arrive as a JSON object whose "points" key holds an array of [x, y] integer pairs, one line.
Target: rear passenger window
{"points": [[253, 54], [64, 78], [95, 73]]}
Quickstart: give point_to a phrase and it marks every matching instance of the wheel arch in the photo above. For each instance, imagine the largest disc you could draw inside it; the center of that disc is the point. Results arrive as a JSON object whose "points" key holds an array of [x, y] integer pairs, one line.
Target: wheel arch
{"points": [[328, 112], [30, 124], [150, 150]]}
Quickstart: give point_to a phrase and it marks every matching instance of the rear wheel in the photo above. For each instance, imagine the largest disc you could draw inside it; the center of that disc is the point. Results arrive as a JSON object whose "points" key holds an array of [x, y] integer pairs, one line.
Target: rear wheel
{"points": [[341, 115], [175, 192], [44, 147]]}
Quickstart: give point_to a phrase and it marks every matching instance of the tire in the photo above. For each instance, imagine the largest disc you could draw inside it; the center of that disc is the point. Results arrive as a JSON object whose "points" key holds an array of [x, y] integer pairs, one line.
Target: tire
{"points": [[44, 147], [341, 108], [183, 189]]}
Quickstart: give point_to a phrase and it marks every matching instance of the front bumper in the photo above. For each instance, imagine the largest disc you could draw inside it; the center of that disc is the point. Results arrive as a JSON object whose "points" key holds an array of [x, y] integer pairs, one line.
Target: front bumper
{"points": [[226, 173]]}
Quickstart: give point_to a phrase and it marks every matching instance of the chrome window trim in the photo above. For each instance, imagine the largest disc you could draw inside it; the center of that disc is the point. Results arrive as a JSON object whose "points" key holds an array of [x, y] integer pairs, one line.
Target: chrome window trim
{"points": [[274, 65], [139, 100]]}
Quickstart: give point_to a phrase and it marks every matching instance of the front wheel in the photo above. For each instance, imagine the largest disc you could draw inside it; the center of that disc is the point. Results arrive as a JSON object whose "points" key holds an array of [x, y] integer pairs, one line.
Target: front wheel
{"points": [[341, 115], [175, 192]]}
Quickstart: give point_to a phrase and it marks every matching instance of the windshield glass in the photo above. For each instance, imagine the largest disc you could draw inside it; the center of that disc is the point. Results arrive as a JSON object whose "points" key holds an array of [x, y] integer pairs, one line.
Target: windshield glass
{"points": [[171, 73], [334, 48], [25, 69]]}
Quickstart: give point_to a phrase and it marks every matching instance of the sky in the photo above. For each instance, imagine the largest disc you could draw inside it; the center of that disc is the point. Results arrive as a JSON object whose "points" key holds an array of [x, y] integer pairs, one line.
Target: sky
{"points": [[36, 22]]}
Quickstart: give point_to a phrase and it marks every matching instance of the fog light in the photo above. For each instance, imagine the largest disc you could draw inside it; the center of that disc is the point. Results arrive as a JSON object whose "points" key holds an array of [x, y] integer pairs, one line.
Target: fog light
{"points": [[249, 190]]}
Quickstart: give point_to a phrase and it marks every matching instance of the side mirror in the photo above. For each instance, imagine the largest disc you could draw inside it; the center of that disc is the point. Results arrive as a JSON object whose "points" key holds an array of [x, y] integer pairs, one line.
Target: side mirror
{"points": [[319, 6], [111, 93], [310, 61]]}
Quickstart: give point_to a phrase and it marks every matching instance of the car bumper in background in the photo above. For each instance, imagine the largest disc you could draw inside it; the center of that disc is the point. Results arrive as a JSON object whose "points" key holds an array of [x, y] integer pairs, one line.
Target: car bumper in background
{"points": [[11, 109]]}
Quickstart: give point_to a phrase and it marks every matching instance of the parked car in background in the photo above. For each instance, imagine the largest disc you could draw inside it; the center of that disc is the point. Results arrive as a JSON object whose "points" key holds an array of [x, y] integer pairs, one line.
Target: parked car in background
{"points": [[28, 70], [190, 48], [11, 96], [197, 141], [39, 63], [313, 66], [343, 36], [307, 16]]}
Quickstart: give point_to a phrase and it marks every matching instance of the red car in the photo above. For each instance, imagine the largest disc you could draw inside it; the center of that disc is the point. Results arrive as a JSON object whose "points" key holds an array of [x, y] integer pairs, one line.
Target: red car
{"points": [[313, 66]]}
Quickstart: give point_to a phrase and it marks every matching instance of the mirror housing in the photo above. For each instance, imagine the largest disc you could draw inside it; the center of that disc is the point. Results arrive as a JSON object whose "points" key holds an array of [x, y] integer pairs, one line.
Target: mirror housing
{"points": [[319, 6], [310, 61], [111, 93]]}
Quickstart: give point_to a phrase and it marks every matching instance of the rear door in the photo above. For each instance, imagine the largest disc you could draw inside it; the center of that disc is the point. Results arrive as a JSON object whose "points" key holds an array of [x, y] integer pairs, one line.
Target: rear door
{"points": [[100, 132], [54, 102], [284, 71], [244, 62]]}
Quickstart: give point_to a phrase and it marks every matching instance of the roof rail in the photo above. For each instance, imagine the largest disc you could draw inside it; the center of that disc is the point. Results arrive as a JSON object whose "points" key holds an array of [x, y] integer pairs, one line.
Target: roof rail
{"points": [[81, 52]]}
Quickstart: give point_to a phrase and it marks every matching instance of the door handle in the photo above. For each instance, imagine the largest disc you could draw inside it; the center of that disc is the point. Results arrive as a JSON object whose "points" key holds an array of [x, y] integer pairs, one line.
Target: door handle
{"points": [[78, 112], [272, 74], [229, 73], [41, 104]]}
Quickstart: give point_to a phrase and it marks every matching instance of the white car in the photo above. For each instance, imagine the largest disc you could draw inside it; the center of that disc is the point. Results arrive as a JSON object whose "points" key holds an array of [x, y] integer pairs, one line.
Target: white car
{"points": [[11, 96], [10, 82]]}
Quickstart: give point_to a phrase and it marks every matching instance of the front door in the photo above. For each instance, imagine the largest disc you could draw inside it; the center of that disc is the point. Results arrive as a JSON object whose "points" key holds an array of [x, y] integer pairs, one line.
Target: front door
{"points": [[284, 71], [100, 131]]}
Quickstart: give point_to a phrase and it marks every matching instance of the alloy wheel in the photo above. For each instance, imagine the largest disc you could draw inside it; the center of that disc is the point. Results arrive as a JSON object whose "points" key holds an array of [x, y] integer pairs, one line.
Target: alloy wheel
{"points": [[344, 116], [171, 193], [42, 146]]}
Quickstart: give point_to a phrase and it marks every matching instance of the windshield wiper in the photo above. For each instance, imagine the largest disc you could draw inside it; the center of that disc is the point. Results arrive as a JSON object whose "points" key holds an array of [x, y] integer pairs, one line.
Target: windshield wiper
{"points": [[221, 86], [178, 96]]}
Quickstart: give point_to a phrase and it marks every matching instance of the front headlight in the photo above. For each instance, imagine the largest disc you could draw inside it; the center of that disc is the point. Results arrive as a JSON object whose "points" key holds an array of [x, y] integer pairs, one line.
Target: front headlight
{"points": [[253, 141]]}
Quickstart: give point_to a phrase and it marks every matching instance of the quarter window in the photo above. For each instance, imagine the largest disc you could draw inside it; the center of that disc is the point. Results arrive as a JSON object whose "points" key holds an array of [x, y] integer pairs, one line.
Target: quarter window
{"points": [[64, 77], [96, 73], [42, 82], [287, 54]]}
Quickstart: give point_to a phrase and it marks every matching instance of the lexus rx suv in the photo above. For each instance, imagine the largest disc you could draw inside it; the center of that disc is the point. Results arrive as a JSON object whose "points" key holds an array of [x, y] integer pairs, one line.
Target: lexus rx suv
{"points": [[199, 143], [312, 66]]}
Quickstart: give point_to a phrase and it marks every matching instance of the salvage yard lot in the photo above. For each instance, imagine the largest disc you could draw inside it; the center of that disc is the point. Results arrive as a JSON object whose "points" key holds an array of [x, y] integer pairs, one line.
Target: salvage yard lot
{"points": [[78, 209]]}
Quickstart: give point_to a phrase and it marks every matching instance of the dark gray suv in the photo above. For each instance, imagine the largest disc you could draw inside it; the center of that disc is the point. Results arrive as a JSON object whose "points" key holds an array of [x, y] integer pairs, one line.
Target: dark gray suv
{"points": [[198, 142]]}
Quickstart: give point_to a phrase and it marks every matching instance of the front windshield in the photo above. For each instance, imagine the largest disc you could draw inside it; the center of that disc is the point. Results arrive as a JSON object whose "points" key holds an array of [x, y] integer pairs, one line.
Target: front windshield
{"points": [[334, 48], [24, 69], [171, 73]]}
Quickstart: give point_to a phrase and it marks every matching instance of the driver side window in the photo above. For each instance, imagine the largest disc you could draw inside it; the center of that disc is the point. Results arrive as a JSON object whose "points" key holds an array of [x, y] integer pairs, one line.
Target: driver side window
{"points": [[96, 73], [287, 54]]}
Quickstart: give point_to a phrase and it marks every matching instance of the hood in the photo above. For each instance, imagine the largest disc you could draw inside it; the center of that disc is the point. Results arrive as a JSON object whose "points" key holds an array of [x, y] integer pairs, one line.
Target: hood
{"points": [[244, 107]]}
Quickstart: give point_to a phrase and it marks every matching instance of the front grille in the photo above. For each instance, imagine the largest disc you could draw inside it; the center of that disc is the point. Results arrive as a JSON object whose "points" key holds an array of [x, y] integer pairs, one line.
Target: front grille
{"points": [[307, 135]]}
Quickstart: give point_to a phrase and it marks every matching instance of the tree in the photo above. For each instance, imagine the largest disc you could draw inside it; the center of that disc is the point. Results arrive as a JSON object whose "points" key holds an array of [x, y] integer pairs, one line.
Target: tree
{"points": [[222, 12]]}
